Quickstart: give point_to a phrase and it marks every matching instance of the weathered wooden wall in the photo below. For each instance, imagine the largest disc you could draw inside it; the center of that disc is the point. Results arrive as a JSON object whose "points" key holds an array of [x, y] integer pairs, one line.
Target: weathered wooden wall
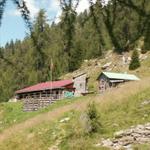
{"points": [[103, 83], [80, 84]]}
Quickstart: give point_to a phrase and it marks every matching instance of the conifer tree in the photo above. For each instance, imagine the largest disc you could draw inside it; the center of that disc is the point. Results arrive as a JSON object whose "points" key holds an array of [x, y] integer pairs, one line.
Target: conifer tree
{"points": [[93, 118], [135, 62]]}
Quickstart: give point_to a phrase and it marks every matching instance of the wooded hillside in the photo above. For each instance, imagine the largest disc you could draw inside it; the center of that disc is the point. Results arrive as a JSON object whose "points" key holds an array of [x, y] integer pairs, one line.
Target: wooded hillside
{"points": [[63, 46]]}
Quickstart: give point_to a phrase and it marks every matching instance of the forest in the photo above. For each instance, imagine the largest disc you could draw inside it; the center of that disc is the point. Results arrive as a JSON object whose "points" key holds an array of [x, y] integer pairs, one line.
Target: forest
{"points": [[51, 50]]}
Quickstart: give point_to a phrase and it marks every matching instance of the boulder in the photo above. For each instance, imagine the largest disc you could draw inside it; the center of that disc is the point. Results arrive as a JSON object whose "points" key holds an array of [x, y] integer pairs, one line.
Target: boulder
{"points": [[106, 65], [64, 120], [107, 143]]}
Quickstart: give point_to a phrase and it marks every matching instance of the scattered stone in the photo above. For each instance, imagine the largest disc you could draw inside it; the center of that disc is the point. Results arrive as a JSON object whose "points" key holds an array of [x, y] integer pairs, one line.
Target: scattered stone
{"points": [[129, 59], [86, 60], [147, 128], [126, 138], [140, 127], [110, 69], [106, 65], [107, 143], [64, 120], [143, 57], [119, 134], [97, 145], [128, 147], [146, 102], [125, 60], [138, 49]]}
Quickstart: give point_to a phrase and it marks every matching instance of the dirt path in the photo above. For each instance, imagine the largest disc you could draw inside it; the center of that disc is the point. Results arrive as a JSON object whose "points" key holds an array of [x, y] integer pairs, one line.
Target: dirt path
{"points": [[49, 116]]}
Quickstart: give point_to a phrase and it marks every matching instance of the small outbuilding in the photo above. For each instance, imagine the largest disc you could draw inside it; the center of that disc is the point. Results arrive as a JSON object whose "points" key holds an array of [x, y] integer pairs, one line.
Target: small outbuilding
{"points": [[80, 84], [110, 79]]}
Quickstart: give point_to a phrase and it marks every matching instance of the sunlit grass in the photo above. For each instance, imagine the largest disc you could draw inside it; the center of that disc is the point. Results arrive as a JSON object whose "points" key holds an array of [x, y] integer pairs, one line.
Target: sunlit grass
{"points": [[118, 110], [12, 113]]}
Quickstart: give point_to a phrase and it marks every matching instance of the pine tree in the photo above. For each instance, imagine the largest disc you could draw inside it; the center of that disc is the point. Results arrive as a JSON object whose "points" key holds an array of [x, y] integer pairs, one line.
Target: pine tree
{"points": [[135, 62]]}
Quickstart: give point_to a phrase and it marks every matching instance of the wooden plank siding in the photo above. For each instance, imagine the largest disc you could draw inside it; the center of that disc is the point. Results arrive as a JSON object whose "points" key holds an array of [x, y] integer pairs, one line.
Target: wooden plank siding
{"points": [[103, 83], [80, 84]]}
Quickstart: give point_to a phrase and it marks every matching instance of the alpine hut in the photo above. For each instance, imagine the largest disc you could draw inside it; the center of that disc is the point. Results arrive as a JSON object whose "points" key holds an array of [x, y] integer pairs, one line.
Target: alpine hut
{"points": [[110, 79], [43, 94]]}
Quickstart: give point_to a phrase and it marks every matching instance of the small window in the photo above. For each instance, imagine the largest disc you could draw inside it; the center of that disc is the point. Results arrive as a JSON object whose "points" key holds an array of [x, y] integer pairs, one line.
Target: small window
{"points": [[80, 85]]}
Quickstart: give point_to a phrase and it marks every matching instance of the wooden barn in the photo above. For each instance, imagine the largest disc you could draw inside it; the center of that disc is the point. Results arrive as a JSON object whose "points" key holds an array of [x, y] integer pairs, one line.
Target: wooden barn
{"points": [[110, 79], [43, 94]]}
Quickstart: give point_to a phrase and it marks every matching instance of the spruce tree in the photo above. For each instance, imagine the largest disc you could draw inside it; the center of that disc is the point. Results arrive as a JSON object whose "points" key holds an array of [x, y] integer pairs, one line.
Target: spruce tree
{"points": [[93, 118], [135, 62]]}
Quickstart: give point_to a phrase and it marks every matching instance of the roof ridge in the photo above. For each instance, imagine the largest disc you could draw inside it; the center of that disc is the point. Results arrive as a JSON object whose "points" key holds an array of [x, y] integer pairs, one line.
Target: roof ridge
{"points": [[124, 76], [45, 85]]}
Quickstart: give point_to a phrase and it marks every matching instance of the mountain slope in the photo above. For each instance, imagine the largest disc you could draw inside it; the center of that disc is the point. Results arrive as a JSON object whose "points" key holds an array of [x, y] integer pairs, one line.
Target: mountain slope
{"points": [[115, 63], [119, 109]]}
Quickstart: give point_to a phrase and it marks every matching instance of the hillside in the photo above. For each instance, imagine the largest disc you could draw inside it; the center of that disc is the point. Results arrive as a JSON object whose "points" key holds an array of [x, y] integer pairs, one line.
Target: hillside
{"points": [[115, 63], [61, 42], [62, 126], [63, 46], [119, 109]]}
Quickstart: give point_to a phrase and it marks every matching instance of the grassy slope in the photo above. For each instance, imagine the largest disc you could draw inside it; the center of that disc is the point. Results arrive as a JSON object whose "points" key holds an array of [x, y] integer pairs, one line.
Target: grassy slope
{"points": [[117, 113], [11, 113], [118, 109]]}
